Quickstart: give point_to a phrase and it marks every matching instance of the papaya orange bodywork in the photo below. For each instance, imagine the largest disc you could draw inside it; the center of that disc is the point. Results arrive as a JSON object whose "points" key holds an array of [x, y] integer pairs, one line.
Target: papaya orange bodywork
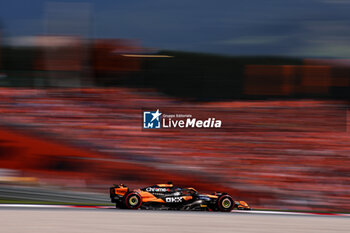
{"points": [[120, 191], [147, 197], [165, 185], [186, 198]]}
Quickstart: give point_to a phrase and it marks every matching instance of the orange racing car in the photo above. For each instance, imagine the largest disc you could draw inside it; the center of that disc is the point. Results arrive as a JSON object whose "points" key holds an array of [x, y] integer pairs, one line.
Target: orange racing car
{"points": [[169, 197]]}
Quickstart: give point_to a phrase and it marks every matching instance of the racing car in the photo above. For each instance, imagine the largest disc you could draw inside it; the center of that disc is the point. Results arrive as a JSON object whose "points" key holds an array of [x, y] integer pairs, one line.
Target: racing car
{"points": [[169, 197]]}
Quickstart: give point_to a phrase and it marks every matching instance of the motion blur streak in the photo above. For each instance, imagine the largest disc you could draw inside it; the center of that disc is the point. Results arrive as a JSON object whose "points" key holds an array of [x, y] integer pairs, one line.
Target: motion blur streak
{"points": [[140, 55], [72, 97], [267, 155]]}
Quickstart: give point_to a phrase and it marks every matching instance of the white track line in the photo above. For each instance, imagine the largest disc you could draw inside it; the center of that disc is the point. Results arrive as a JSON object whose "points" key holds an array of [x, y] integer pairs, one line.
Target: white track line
{"points": [[265, 212], [111, 207], [288, 213]]}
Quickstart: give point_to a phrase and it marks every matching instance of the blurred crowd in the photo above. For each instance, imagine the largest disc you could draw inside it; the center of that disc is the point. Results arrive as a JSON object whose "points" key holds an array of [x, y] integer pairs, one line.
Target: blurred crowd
{"points": [[274, 154]]}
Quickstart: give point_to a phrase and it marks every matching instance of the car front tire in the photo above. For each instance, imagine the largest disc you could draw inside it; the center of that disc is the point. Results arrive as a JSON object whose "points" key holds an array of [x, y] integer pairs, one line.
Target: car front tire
{"points": [[225, 203]]}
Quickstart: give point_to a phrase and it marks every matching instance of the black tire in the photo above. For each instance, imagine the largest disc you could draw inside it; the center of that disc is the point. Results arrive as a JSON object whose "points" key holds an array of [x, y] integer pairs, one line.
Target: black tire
{"points": [[132, 201], [225, 203]]}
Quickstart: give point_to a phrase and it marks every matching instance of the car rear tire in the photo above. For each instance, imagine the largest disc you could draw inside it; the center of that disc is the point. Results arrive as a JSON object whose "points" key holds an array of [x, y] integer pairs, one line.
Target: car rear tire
{"points": [[225, 203], [132, 201]]}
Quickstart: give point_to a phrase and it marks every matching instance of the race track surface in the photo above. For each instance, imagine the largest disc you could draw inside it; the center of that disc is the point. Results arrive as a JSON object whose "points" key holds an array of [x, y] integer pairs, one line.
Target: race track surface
{"points": [[51, 220]]}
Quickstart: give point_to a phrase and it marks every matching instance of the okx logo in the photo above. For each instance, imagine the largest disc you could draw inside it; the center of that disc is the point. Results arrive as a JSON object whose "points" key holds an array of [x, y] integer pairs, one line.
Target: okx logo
{"points": [[151, 120]]}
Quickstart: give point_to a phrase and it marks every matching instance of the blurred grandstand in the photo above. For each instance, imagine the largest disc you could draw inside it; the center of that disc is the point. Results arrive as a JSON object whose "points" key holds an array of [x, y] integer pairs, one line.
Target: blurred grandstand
{"points": [[71, 117], [89, 138]]}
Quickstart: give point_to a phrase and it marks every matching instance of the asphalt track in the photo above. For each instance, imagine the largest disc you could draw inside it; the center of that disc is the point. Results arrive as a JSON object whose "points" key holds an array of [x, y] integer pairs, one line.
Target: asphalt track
{"points": [[59, 220]]}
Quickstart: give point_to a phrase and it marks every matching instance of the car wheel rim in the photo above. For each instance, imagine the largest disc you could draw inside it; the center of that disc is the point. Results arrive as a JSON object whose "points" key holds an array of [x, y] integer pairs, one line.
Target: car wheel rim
{"points": [[226, 203], [133, 201]]}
